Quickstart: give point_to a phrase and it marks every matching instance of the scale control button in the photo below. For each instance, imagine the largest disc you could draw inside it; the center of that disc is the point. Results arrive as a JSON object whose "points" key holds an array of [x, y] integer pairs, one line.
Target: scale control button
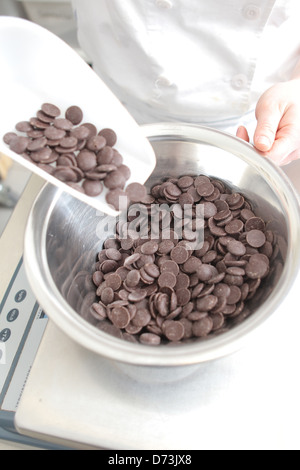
{"points": [[5, 335], [12, 315], [20, 296]]}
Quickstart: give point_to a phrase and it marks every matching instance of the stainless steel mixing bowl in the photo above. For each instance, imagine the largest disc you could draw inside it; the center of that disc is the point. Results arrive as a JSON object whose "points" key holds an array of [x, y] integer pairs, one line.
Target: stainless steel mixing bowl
{"points": [[64, 236]]}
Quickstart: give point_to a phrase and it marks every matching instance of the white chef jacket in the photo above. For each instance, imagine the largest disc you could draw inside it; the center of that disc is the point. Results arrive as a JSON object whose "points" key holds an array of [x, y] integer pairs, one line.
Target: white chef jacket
{"points": [[197, 61]]}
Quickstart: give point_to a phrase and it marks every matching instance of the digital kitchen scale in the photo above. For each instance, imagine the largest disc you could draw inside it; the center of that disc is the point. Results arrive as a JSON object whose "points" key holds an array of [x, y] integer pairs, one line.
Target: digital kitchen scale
{"points": [[22, 325], [22, 321], [56, 394]]}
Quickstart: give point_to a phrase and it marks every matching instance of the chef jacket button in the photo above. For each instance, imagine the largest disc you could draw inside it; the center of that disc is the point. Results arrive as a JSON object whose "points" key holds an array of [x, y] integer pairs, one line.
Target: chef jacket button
{"points": [[166, 4], [239, 81], [251, 11], [163, 82]]}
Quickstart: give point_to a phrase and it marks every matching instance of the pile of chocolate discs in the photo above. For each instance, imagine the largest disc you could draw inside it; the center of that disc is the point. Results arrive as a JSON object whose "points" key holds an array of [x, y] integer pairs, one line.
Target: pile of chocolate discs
{"points": [[172, 287]]}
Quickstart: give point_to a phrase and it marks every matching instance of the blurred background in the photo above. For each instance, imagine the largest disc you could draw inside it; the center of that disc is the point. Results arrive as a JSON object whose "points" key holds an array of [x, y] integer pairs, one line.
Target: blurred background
{"points": [[56, 16]]}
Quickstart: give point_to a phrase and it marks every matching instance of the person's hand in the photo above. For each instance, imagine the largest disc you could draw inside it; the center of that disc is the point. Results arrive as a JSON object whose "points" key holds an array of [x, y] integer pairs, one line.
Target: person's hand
{"points": [[277, 133]]}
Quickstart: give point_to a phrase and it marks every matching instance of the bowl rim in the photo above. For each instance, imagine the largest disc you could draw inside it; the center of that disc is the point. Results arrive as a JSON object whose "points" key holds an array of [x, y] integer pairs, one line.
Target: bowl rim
{"points": [[85, 334]]}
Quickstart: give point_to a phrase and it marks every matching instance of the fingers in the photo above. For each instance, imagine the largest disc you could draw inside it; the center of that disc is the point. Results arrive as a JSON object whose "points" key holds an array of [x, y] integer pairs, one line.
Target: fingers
{"points": [[281, 152], [242, 133], [286, 144], [291, 158], [277, 133], [268, 119]]}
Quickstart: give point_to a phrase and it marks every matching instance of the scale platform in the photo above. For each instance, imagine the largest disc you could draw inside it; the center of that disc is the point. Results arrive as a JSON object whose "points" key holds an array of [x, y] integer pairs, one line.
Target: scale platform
{"points": [[75, 399], [247, 401]]}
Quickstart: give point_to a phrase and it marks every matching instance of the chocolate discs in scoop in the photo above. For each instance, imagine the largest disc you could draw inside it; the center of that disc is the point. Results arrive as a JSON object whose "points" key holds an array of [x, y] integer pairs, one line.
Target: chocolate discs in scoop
{"points": [[50, 135]]}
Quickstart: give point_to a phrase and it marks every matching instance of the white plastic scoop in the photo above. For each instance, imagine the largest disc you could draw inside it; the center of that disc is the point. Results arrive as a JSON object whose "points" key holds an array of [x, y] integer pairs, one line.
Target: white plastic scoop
{"points": [[37, 67]]}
